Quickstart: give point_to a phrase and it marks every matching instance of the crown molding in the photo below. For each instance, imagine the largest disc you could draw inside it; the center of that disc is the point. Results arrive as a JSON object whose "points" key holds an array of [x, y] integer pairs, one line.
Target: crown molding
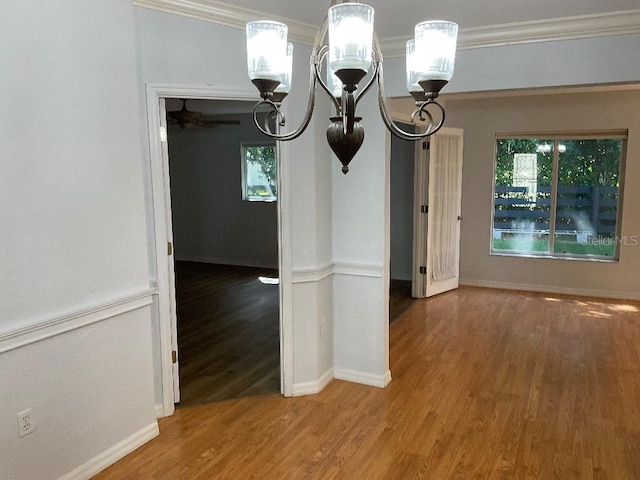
{"points": [[567, 28], [584, 26], [229, 16]]}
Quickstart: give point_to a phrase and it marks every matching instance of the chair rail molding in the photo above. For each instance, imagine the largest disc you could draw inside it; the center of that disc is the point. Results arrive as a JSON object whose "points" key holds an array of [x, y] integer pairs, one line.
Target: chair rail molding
{"points": [[358, 269], [310, 275], [58, 325]]}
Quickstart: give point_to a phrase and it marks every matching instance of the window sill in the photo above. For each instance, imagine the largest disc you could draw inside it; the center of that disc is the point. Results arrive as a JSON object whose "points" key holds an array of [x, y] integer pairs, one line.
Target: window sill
{"points": [[584, 258]]}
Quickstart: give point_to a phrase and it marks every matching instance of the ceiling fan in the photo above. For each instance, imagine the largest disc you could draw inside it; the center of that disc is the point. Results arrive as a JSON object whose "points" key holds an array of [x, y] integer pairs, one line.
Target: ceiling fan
{"points": [[188, 119]]}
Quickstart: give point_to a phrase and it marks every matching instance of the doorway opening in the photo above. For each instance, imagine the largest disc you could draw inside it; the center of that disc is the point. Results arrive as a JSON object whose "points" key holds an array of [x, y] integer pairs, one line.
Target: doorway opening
{"points": [[225, 250], [401, 199], [167, 352], [424, 209]]}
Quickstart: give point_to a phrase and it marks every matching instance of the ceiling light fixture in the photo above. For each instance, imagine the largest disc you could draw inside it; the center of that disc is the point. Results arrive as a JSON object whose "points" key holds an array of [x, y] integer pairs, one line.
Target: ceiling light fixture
{"points": [[348, 55]]}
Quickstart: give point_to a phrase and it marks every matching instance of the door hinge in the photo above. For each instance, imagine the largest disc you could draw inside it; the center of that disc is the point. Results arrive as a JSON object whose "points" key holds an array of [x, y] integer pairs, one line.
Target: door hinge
{"points": [[174, 356], [169, 248], [423, 270], [426, 145], [424, 209]]}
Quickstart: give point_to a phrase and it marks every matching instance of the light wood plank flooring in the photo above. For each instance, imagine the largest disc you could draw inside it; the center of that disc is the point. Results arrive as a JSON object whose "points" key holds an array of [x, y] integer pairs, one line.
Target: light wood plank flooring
{"points": [[487, 384]]}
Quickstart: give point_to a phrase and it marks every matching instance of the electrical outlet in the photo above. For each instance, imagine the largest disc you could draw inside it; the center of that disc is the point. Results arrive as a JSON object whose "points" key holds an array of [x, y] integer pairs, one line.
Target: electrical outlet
{"points": [[25, 422]]}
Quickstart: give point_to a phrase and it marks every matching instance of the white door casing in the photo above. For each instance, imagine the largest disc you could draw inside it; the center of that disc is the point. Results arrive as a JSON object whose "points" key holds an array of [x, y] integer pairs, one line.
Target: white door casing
{"points": [[420, 219], [162, 227], [169, 259]]}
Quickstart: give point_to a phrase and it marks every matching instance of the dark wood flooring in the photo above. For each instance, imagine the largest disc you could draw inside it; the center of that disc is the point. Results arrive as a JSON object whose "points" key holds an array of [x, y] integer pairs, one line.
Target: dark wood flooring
{"points": [[400, 298], [228, 330]]}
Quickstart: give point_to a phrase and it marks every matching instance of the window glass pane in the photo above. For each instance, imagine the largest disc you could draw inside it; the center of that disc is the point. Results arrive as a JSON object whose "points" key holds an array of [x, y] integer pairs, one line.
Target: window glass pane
{"points": [[587, 201], [260, 173], [522, 199]]}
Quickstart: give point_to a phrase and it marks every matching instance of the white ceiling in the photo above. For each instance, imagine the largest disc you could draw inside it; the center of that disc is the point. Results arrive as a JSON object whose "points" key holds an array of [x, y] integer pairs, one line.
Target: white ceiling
{"points": [[396, 18]]}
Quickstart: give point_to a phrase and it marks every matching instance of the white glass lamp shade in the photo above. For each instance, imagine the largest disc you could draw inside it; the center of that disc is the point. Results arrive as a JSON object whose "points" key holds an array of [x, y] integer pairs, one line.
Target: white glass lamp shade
{"points": [[333, 82], [350, 36], [266, 50], [285, 77], [435, 50], [412, 68]]}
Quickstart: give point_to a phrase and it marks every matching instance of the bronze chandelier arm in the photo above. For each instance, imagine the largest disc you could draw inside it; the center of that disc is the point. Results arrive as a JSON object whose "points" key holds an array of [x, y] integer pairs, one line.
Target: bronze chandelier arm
{"points": [[275, 111], [345, 134], [320, 57], [420, 111], [319, 51]]}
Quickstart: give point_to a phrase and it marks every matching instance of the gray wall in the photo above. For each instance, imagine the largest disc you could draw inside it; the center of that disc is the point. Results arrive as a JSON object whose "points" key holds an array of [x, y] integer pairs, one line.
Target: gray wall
{"points": [[481, 119], [401, 207], [584, 61], [182, 51], [211, 222], [75, 326]]}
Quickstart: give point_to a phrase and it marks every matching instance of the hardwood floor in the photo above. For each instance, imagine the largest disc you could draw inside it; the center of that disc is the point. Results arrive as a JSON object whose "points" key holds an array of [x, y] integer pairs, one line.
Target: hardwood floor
{"points": [[228, 332], [487, 384]]}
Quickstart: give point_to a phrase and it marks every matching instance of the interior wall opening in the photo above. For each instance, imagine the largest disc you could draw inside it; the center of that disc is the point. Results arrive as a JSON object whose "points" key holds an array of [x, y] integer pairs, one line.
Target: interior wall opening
{"points": [[401, 223], [225, 252]]}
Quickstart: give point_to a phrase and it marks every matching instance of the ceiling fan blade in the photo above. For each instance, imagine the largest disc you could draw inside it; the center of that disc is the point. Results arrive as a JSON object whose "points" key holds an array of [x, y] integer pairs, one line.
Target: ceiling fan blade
{"points": [[187, 118], [215, 123], [184, 115]]}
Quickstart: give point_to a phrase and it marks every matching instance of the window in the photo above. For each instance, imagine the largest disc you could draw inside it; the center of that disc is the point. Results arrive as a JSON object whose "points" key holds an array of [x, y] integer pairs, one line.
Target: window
{"points": [[558, 195], [259, 173]]}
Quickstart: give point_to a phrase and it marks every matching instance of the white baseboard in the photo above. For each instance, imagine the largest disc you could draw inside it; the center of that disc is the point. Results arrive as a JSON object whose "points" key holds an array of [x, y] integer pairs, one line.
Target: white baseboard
{"points": [[582, 292], [380, 381], [113, 454], [160, 410], [310, 388]]}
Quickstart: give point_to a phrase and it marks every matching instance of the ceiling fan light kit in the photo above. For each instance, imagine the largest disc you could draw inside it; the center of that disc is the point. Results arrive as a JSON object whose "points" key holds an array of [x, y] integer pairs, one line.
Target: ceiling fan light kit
{"points": [[347, 49]]}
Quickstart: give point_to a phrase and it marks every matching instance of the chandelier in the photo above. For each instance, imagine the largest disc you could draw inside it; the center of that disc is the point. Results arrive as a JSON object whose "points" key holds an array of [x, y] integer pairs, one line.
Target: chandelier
{"points": [[347, 48]]}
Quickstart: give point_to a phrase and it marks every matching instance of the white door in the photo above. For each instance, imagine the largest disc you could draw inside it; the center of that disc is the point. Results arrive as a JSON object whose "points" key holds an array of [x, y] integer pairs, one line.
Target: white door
{"points": [[438, 192], [170, 267]]}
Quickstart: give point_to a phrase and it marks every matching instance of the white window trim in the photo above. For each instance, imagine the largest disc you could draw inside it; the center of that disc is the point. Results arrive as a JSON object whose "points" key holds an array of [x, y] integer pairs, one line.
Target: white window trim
{"points": [[556, 137]]}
